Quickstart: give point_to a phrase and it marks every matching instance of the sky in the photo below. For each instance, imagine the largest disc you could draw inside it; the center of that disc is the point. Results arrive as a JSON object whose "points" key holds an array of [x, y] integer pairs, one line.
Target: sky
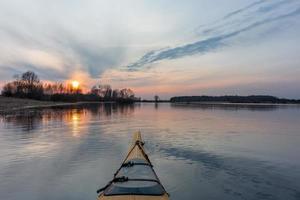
{"points": [[166, 47]]}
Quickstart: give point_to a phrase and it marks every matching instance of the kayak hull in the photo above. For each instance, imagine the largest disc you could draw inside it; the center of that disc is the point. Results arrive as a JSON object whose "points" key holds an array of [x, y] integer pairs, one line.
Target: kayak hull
{"points": [[135, 179]]}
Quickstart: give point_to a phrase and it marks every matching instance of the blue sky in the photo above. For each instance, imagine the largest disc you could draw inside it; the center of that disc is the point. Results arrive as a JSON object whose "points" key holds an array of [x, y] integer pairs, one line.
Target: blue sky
{"points": [[162, 47]]}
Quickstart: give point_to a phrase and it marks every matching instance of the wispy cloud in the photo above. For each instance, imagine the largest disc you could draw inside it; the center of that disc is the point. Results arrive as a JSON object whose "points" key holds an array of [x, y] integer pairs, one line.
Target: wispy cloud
{"points": [[229, 26], [59, 54], [243, 9], [55, 44]]}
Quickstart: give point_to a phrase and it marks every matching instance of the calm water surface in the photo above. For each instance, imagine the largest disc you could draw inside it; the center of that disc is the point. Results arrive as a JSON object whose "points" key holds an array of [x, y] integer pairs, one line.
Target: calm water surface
{"points": [[199, 152]]}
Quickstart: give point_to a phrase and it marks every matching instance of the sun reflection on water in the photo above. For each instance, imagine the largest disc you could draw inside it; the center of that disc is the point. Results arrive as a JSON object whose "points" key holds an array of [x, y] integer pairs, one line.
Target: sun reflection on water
{"points": [[75, 121]]}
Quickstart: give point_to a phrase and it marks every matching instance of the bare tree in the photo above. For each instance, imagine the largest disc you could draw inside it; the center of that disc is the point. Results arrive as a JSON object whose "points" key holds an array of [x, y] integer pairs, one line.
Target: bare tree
{"points": [[107, 91], [126, 93], [103, 91], [30, 78], [156, 98], [95, 90], [115, 94], [48, 89], [25, 86], [31, 85], [8, 90], [61, 88]]}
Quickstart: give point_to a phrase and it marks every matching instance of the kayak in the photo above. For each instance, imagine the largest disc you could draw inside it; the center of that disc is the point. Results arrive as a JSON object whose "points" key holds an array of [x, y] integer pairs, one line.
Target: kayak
{"points": [[135, 179]]}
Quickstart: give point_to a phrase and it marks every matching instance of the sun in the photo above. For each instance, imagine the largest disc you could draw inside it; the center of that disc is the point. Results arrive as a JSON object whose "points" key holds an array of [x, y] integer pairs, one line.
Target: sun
{"points": [[75, 85]]}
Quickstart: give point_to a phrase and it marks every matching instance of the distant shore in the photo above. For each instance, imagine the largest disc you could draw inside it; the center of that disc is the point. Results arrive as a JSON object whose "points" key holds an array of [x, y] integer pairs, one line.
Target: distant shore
{"points": [[229, 103], [252, 99]]}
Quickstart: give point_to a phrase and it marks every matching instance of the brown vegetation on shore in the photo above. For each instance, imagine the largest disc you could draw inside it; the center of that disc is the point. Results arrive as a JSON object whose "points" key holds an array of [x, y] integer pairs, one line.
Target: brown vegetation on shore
{"points": [[29, 86], [11, 104]]}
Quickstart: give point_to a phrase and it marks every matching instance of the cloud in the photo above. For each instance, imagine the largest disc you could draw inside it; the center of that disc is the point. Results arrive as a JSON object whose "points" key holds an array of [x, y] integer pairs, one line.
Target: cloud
{"points": [[221, 33], [93, 57], [88, 36], [238, 11], [57, 44], [58, 54], [249, 14]]}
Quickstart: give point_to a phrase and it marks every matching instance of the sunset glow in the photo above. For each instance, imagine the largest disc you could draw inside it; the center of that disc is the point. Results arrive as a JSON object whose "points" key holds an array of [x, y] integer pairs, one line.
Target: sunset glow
{"points": [[75, 85]]}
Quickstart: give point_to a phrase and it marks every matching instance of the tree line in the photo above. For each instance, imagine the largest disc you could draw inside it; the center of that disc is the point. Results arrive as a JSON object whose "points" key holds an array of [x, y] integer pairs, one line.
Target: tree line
{"points": [[234, 99], [28, 85]]}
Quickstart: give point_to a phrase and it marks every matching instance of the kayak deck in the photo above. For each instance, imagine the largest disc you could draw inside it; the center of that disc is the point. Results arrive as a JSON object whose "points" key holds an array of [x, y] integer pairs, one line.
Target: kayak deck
{"points": [[135, 179]]}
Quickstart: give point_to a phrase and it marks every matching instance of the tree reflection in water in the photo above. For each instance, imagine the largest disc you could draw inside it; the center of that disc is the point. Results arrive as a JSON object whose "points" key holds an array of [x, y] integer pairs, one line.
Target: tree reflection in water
{"points": [[31, 119]]}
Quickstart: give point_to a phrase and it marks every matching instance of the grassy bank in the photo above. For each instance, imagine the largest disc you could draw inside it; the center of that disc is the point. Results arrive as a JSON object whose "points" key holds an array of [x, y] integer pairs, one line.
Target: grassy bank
{"points": [[10, 104]]}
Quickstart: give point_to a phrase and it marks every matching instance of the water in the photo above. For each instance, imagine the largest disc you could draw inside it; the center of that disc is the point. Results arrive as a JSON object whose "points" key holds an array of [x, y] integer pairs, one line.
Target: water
{"points": [[199, 151]]}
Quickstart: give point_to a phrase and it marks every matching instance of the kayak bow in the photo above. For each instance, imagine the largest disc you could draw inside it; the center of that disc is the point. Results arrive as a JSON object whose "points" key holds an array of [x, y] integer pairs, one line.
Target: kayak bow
{"points": [[135, 179]]}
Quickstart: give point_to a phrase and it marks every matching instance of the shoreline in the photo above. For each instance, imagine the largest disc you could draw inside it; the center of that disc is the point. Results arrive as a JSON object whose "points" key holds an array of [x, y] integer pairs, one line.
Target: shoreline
{"points": [[10, 105]]}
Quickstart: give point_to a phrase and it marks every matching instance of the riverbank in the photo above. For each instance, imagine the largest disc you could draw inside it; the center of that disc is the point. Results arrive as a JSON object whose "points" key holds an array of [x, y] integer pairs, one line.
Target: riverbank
{"points": [[10, 104]]}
